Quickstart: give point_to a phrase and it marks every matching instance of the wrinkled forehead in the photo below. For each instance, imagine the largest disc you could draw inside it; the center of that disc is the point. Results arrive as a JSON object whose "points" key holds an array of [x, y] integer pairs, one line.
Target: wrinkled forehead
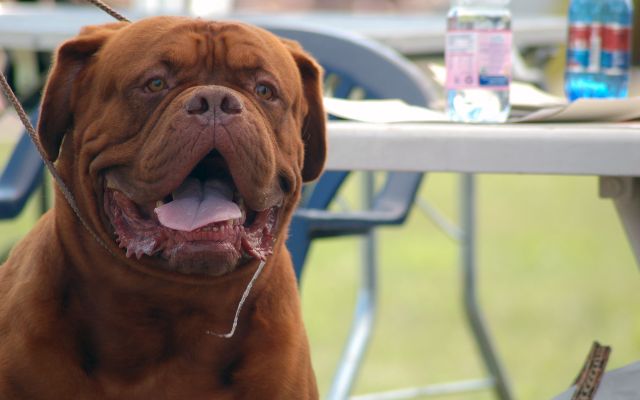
{"points": [[188, 43]]}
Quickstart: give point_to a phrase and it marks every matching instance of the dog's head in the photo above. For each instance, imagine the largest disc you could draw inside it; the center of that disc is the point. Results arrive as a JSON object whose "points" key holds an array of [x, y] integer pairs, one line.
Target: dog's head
{"points": [[185, 142]]}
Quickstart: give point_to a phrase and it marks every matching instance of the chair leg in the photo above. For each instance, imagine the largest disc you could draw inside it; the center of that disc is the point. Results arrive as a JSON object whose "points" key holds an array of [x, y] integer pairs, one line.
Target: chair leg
{"points": [[44, 195], [4, 252], [364, 315], [471, 304], [361, 329]]}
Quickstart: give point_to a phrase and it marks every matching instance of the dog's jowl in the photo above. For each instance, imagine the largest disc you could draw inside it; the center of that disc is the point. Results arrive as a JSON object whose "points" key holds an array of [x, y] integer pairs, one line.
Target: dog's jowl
{"points": [[185, 144]]}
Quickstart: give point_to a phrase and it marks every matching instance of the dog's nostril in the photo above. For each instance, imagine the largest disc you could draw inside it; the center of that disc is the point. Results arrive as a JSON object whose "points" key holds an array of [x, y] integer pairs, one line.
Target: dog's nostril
{"points": [[209, 102], [198, 105], [230, 105]]}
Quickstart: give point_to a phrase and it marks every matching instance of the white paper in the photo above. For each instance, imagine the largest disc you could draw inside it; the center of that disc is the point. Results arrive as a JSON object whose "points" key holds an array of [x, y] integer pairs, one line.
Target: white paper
{"points": [[381, 111], [588, 110], [526, 96], [619, 384]]}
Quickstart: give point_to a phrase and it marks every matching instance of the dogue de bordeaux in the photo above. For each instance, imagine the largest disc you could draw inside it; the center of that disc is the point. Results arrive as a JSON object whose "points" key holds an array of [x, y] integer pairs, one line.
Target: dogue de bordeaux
{"points": [[185, 144]]}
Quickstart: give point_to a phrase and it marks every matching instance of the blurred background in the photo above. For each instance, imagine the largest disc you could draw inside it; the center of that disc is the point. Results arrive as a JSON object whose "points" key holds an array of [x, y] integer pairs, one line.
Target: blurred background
{"points": [[555, 269]]}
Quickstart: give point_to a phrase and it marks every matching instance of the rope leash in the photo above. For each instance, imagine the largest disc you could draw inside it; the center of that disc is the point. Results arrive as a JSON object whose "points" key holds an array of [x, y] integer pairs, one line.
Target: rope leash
{"points": [[106, 8], [22, 114], [10, 95]]}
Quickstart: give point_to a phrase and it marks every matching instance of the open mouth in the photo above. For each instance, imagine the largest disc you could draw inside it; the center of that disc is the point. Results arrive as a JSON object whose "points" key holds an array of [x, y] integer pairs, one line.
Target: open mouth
{"points": [[202, 226]]}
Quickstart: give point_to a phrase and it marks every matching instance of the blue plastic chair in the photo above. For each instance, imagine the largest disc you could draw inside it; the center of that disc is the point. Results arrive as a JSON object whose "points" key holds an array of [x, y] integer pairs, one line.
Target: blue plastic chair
{"points": [[353, 63], [382, 73]]}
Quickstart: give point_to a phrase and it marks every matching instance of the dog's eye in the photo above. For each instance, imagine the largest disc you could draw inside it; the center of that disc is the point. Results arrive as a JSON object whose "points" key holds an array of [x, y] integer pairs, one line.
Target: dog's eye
{"points": [[156, 85], [265, 92]]}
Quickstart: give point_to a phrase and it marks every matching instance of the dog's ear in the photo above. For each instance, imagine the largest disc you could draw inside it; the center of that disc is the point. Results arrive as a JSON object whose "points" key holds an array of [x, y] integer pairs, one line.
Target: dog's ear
{"points": [[314, 127], [56, 114]]}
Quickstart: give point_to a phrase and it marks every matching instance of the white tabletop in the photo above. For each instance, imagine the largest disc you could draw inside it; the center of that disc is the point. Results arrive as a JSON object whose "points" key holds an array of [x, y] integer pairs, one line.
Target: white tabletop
{"points": [[604, 149], [593, 149], [43, 27]]}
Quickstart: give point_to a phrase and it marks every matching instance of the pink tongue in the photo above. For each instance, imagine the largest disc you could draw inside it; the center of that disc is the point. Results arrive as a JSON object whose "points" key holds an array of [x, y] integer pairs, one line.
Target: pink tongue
{"points": [[196, 204]]}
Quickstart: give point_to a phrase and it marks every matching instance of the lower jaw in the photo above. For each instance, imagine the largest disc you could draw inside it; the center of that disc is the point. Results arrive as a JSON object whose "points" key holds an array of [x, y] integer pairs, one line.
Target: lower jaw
{"points": [[202, 258]]}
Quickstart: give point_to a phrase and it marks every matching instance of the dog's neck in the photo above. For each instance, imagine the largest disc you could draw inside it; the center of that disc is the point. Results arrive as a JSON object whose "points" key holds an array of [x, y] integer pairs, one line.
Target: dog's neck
{"points": [[130, 319]]}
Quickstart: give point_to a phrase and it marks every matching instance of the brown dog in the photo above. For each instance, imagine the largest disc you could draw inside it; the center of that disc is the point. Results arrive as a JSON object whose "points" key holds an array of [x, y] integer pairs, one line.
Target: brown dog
{"points": [[185, 144]]}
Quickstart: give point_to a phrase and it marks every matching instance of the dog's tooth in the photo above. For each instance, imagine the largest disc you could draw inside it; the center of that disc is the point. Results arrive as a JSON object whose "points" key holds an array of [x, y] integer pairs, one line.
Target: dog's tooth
{"points": [[214, 228], [109, 184], [159, 203]]}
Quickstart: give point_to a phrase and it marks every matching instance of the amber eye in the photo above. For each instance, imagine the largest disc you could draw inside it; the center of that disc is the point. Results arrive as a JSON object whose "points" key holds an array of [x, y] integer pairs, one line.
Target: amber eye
{"points": [[156, 85], [265, 92]]}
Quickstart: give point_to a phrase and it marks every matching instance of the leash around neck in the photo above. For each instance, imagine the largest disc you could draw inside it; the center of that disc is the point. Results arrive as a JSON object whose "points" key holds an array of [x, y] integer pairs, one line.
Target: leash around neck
{"points": [[22, 114], [10, 95], [6, 88], [106, 8]]}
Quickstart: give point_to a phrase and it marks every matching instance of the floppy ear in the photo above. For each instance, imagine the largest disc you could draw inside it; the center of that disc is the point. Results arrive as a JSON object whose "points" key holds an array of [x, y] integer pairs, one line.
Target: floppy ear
{"points": [[314, 127], [56, 115]]}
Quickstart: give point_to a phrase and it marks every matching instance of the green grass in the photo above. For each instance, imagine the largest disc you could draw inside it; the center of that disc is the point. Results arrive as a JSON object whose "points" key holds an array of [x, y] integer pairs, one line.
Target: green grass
{"points": [[556, 273]]}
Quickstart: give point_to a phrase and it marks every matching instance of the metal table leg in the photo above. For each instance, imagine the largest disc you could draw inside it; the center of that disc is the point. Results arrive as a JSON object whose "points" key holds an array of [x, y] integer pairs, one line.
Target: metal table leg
{"points": [[625, 193], [470, 295]]}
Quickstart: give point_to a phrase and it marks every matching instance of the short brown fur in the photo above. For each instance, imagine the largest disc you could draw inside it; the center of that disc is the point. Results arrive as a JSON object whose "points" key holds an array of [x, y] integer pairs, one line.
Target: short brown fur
{"points": [[81, 322]]}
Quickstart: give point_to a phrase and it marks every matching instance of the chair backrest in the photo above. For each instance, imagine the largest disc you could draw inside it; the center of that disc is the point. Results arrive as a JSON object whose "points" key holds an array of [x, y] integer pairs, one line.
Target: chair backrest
{"points": [[360, 63], [356, 67]]}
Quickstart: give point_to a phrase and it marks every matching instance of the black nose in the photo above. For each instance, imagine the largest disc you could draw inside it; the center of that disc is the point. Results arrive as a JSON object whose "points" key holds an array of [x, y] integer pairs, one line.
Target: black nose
{"points": [[214, 100]]}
